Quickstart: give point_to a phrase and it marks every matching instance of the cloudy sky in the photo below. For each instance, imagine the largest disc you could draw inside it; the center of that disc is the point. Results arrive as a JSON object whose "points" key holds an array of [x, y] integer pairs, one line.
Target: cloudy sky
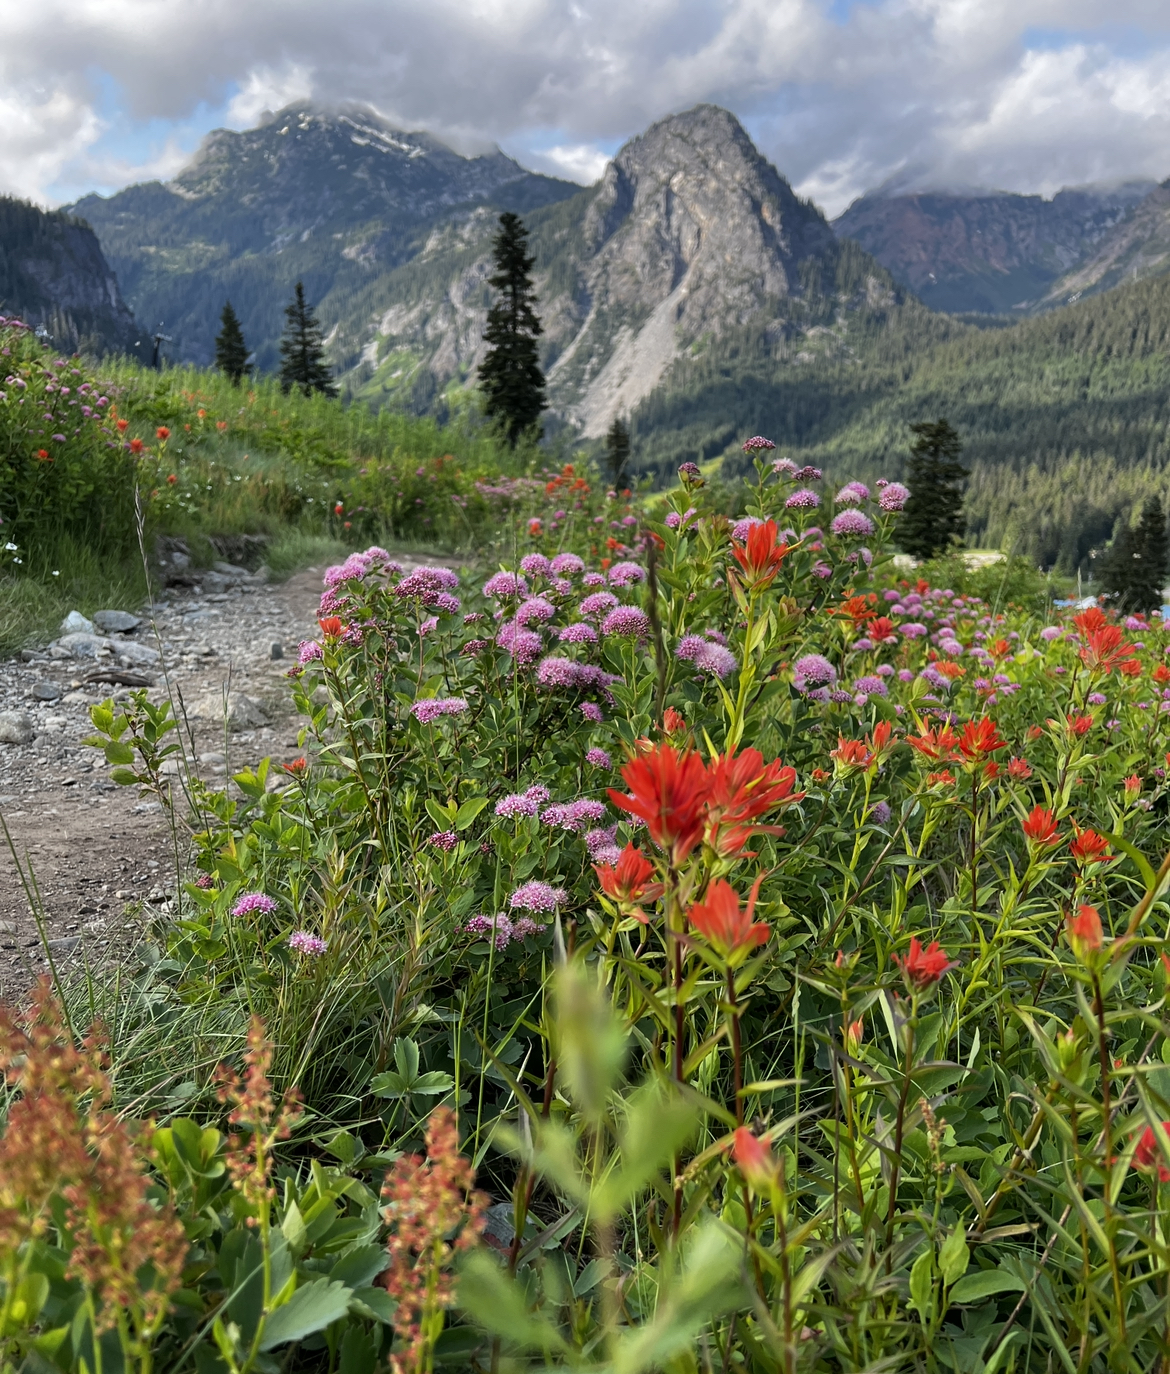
{"points": [[1026, 95]]}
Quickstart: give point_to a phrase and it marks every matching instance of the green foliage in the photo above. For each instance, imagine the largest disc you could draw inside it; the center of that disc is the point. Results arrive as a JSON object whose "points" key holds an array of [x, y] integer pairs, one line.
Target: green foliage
{"points": [[617, 453], [1134, 568], [231, 352], [510, 375], [302, 350], [933, 518]]}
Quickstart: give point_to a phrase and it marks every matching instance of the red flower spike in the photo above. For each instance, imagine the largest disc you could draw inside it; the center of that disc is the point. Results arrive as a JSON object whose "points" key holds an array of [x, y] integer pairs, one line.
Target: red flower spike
{"points": [[1104, 649], [673, 722], [1094, 618], [851, 754], [726, 926], [760, 556], [332, 627], [943, 779], [1090, 848], [979, 738], [742, 788], [1133, 787], [940, 746], [1084, 933], [857, 608], [628, 881], [922, 968], [1019, 770], [668, 790], [163, 433], [1149, 1153], [756, 1162], [1040, 827]]}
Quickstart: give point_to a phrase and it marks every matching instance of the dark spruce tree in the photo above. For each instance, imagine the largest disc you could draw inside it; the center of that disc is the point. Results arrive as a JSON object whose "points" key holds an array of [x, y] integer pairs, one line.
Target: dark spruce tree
{"points": [[933, 517], [1135, 567], [302, 350], [510, 375], [231, 352], [617, 453]]}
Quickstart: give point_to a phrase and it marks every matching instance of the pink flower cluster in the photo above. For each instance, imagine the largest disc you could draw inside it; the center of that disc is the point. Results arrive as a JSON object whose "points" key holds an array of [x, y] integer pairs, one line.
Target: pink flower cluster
{"points": [[707, 656], [302, 942], [538, 896], [254, 901], [431, 708]]}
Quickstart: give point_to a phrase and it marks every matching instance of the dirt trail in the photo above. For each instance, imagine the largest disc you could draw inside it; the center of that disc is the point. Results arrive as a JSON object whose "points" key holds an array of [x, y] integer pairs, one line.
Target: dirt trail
{"points": [[103, 858]]}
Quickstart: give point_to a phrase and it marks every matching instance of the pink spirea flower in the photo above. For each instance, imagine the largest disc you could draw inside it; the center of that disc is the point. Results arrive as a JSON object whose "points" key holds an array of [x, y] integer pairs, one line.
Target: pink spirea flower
{"points": [[598, 758], [558, 672], [742, 528], [622, 574], [535, 565], [537, 793], [807, 474], [629, 622], [525, 646], [894, 496], [445, 603], [205, 880], [871, 685], [567, 565], [812, 670], [1051, 632], [254, 901], [515, 804], [578, 633], [715, 660], [597, 604], [591, 711], [302, 942], [444, 839], [538, 897], [431, 708], [804, 499], [496, 928], [505, 584], [427, 625], [851, 522], [535, 609], [758, 444], [593, 579], [784, 467], [309, 652]]}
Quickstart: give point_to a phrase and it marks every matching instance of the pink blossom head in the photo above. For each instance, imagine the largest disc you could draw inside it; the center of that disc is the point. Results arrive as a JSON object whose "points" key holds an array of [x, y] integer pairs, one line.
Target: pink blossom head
{"points": [[254, 901], [894, 496], [302, 942], [851, 523]]}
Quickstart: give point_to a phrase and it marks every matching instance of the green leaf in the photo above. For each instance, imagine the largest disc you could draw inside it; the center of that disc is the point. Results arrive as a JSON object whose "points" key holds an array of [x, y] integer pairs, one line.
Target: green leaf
{"points": [[293, 1227], [468, 812], [406, 1057], [921, 1284], [116, 751], [389, 1084], [976, 1287], [500, 1305], [440, 814], [310, 1309], [953, 1257], [124, 777], [375, 1304], [433, 1082], [358, 1268]]}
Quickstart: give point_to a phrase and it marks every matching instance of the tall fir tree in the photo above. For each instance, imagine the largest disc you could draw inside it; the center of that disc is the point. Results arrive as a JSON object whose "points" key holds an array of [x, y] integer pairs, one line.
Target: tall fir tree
{"points": [[617, 453], [302, 350], [933, 517], [231, 352], [1135, 567], [510, 375]]}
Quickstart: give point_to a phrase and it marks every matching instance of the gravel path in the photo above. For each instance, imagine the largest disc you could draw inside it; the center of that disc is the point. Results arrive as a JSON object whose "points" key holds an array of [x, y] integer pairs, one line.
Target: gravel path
{"points": [[103, 859]]}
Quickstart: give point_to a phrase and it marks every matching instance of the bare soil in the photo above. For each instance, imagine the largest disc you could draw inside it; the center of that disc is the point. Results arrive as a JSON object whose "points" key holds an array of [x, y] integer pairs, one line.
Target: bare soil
{"points": [[100, 859]]}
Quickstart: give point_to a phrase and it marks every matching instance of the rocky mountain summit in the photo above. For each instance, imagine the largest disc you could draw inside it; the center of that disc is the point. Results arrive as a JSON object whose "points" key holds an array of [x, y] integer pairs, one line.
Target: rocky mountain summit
{"points": [[690, 234], [54, 276], [988, 252], [331, 196], [1135, 248]]}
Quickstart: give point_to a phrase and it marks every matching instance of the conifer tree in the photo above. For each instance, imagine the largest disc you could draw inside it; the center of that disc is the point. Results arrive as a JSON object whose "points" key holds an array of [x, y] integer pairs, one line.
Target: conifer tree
{"points": [[617, 452], [302, 350], [1135, 567], [231, 352], [510, 375], [933, 516]]}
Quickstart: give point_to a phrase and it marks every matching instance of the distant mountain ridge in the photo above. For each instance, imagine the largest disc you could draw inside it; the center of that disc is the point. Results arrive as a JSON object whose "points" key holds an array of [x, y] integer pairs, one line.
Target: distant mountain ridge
{"points": [[330, 196], [54, 276], [989, 252]]}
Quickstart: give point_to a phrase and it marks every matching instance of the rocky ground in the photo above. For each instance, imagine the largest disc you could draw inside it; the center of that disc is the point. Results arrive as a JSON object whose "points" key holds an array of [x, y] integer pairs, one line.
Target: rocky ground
{"points": [[99, 858]]}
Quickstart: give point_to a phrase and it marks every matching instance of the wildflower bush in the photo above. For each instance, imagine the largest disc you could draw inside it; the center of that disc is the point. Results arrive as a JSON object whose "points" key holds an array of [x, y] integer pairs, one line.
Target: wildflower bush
{"points": [[783, 945]]}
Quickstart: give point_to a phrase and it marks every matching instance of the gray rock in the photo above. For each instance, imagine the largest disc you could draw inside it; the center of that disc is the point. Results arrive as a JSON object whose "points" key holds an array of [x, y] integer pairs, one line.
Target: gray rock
{"points": [[63, 947], [148, 808], [57, 653], [116, 622], [277, 650], [83, 644], [47, 691], [244, 713], [232, 570], [16, 727], [76, 624], [139, 655], [214, 582]]}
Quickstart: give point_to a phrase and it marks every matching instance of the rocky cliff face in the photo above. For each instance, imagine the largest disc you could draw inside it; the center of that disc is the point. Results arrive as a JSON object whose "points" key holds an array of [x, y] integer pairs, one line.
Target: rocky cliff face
{"points": [[689, 233], [1137, 247], [987, 253], [331, 196], [53, 276]]}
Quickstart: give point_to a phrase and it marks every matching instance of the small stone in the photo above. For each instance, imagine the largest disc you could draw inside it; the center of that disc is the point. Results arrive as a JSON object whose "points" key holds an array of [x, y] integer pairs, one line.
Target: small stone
{"points": [[7, 927], [139, 655], [244, 713], [124, 894], [47, 691], [16, 727], [116, 622], [276, 650], [148, 808], [55, 724], [84, 644], [56, 652], [64, 946], [76, 624]]}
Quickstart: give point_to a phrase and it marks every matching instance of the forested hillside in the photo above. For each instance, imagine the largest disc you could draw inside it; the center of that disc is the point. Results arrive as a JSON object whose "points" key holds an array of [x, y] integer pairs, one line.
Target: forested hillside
{"points": [[1064, 417]]}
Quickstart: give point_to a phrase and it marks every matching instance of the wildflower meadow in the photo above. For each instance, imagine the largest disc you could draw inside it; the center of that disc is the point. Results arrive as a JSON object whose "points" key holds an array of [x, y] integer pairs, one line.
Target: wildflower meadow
{"points": [[704, 947]]}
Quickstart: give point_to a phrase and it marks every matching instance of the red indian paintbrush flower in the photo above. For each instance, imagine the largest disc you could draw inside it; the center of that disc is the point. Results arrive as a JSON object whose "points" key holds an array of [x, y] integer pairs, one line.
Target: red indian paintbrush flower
{"points": [[727, 926], [668, 790], [979, 738], [740, 789], [941, 745], [756, 1162], [332, 627], [850, 754], [1085, 933], [922, 968], [1105, 650], [628, 881], [1094, 618], [1040, 827], [1089, 848], [858, 609], [1148, 1153], [673, 722], [760, 556]]}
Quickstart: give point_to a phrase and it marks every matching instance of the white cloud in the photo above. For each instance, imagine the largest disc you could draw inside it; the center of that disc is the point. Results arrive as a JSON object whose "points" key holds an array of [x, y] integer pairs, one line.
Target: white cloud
{"points": [[972, 91]]}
